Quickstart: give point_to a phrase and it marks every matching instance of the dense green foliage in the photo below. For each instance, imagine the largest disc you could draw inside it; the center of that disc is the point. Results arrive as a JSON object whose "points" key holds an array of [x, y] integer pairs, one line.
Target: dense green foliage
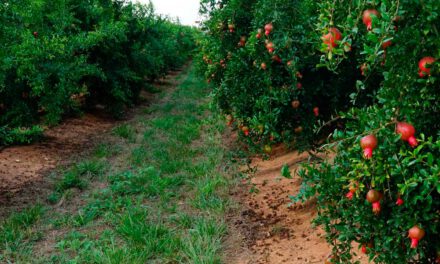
{"points": [[59, 56], [364, 82]]}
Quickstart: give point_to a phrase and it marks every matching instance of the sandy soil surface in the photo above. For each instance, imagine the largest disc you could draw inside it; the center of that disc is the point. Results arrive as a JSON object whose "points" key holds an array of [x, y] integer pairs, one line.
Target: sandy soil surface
{"points": [[267, 229]]}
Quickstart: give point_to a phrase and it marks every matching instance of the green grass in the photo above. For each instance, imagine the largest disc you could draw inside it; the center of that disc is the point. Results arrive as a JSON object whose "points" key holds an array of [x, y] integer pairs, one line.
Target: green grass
{"points": [[161, 199]]}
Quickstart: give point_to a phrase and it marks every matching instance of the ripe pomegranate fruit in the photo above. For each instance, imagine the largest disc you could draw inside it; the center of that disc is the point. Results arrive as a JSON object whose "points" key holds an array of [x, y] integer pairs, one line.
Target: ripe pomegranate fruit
{"points": [[299, 75], [330, 39], [245, 130], [299, 85], [374, 197], [415, 234], [368, 144], [270, 47], [407, 132], [364, 249], [295, 104], [386, 44], [276, 58], [259, 33], [268, 29], [424, 64], [316, 111], [263, 66], [349, 195], [367, 17], [231, 28], [242, 42], [399, 201]]}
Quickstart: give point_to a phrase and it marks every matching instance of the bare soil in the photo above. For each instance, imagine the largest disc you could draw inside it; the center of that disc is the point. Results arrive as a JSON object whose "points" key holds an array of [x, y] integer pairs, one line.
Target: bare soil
{"points": [[269, 230]]}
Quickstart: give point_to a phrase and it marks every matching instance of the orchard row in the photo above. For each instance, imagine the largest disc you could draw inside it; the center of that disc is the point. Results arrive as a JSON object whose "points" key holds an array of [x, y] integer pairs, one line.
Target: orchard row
{"points": [[364, 75]]}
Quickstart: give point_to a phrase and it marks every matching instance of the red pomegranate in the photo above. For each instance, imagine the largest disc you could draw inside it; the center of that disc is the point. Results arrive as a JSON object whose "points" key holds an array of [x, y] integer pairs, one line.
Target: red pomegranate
{"points": [[270, 47], [399, 201], [407, 132], [268, 29], [259, 33], [368, 144], [263, 66], [330, 39], [415, 234], [299, 86], [242, 42], [386, 44], [276, 58], [245, 130], [424, 64], [231, 27], [374, 197], [298, 75], [364, 249], [316, 111], [367, 17]]}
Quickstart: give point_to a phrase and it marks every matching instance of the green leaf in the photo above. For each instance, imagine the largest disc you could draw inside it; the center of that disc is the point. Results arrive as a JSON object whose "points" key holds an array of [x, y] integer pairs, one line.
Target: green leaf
{"points": [[285, 172]]}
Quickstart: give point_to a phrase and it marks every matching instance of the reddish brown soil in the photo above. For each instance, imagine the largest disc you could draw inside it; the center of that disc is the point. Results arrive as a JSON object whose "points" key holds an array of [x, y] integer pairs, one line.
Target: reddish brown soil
{"points": [[24, 170], [268, 230]]}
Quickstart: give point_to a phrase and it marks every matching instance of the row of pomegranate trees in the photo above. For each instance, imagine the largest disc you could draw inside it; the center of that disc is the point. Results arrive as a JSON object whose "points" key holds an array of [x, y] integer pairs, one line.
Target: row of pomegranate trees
{"points": [[60, 57], [364, 71]]}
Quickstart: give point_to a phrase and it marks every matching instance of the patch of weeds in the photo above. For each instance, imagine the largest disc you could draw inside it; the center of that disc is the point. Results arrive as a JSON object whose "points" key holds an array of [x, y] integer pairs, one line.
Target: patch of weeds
{"points": [[204, 241], [153, 238], [106, 150], [16, 233], [77, 177], [207, 195], [125, 131], [139, 155]]}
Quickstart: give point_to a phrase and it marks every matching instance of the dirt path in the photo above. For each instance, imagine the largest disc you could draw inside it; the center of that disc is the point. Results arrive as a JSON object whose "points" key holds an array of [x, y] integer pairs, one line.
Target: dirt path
{"points": [[269, 230], [24, 170]]}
